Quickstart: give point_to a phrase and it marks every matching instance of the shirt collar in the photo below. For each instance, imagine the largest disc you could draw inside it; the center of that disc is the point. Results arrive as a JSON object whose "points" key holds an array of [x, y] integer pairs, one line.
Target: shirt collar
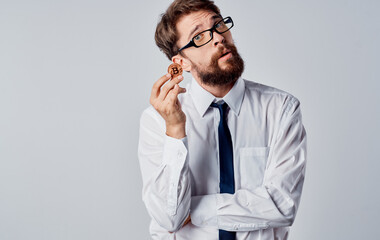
{"points": [[234, 97], [202, 98]]}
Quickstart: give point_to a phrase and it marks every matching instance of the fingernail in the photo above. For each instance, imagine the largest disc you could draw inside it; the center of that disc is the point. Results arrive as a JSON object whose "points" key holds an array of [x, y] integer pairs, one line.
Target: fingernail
{"points": [[180, 77], [168, 75]]}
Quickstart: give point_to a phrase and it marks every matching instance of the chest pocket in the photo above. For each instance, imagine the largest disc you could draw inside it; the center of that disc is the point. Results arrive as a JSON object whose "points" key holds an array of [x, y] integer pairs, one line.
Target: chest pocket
{"points": [[252, 166]]}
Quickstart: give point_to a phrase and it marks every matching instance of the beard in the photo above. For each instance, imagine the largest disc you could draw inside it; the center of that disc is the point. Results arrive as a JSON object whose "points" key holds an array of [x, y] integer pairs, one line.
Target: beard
{"points": [[214, 75]]}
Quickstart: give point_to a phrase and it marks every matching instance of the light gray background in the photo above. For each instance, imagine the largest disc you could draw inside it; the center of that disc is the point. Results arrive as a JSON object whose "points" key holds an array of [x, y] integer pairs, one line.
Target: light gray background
{"points": [[76, 75]]}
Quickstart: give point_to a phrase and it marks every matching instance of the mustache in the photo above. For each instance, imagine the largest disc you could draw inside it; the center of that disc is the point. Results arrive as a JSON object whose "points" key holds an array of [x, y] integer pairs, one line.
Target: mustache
{"points": [[227, 46]]}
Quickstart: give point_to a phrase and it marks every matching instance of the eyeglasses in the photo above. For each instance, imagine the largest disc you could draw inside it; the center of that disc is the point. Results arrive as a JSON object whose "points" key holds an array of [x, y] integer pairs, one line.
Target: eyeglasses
{"points": [[206, 36]]}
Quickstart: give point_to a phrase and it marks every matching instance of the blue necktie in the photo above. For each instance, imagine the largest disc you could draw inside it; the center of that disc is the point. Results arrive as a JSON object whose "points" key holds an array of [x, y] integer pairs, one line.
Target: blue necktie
{"points": [[226, 162]]}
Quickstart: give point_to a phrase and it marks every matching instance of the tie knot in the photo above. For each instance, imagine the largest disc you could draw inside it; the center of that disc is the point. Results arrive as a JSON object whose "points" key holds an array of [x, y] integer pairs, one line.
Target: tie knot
{"points": [[222, 109], [221, 106]]}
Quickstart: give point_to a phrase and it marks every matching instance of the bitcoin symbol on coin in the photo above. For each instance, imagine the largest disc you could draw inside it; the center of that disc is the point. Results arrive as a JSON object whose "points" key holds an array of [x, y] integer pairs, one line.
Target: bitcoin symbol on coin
{"points": [[175, 70]]}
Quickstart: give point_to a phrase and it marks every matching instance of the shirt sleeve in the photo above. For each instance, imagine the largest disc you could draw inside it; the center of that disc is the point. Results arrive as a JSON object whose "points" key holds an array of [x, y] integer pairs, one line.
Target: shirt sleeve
{"points": [[275, 202], [164, 167]]}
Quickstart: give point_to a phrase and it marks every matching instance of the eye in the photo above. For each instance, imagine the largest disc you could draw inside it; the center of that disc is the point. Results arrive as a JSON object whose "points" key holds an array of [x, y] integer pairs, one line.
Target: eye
{"points": [[199, 37], [218, 25]]}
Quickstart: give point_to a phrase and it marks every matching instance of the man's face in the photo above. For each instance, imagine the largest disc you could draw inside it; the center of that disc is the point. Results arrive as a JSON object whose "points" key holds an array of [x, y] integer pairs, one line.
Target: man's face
{"points": [[217, 62]]}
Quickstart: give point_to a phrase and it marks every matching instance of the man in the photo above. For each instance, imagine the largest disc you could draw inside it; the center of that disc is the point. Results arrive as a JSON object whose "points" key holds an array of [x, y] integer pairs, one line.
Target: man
{"points": [[225, 157]]}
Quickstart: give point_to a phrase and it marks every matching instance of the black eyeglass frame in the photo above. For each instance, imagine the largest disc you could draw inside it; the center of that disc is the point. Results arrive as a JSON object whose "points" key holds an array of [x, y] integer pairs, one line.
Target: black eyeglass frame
{"points": [[211, 30]]}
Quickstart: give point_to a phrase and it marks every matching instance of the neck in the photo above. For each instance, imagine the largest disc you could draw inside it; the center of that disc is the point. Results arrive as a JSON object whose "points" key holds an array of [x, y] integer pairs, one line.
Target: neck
{"points": [[217, 90]]}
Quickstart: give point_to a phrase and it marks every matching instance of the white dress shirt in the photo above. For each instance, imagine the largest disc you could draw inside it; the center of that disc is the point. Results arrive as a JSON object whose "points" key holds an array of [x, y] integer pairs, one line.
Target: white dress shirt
{"points": [[181, 176]]}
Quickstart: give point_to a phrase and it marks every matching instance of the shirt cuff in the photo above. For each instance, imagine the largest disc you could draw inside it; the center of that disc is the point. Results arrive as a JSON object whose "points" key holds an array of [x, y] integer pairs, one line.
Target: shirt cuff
{"points": [[203, 210], [174, 158], [175, 151]]}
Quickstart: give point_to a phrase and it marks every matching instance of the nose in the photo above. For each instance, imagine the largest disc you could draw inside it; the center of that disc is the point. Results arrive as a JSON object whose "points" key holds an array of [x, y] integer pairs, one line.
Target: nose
{"points": [[218, 38]]}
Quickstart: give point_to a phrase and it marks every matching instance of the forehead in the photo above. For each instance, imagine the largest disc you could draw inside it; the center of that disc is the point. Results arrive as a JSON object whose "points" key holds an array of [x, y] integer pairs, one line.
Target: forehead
{"points": [[201, 19]]}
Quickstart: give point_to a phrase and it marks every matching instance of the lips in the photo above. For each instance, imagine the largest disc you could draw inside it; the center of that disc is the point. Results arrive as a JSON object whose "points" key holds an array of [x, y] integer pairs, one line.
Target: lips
{"points": [[225, 52]]}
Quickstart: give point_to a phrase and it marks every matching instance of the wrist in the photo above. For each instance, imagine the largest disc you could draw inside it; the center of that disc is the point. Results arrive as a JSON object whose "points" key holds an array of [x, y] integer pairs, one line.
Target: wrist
{"points": [[176, 131]]}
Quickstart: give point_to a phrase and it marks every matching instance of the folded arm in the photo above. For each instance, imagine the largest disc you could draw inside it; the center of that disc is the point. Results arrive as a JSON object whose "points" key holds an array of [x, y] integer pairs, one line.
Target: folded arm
{"points": [[275, 202]]}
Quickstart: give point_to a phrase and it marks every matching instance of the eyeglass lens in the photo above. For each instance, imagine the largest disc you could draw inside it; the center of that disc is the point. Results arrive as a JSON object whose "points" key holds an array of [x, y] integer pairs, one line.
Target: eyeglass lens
{"points": [[205, 37]]}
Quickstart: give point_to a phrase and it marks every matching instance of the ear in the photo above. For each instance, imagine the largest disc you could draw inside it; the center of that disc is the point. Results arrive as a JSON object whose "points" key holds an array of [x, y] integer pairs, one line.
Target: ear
{"points": [[185, 63]]}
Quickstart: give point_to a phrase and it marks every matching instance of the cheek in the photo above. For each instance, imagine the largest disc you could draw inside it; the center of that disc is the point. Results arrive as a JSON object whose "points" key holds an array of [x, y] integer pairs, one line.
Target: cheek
{"points": [[201, 59], [228, 37]]}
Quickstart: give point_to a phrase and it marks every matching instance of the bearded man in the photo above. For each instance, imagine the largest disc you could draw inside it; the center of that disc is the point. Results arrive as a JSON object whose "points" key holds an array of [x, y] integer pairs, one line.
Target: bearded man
{"points": [[223, 158]]}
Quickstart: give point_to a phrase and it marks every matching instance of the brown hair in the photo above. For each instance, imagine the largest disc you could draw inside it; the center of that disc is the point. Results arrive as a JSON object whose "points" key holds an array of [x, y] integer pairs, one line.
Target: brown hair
{"points": [[166, 35]]}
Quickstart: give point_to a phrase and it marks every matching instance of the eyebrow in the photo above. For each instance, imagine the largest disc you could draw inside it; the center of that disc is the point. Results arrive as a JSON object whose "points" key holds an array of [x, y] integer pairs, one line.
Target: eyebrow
{"points": [[192, 32], [214, 17]]}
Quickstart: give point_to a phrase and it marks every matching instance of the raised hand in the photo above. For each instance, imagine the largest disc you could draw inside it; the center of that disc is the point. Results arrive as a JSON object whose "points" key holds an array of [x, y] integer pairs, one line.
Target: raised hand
{"points": [[164, 98]]}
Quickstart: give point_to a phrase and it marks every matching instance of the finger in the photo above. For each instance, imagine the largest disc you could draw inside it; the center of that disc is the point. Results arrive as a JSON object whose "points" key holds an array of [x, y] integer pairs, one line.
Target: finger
{"points": [[172, 95], [182, 90], [178, 79], [158, 84], [179, 89], [171, 99], [169, 86]]}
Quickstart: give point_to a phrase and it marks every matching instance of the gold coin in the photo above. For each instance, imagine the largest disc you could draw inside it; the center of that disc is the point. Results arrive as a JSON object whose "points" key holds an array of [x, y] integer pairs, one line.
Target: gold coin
{"points": [[175, 70]]}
